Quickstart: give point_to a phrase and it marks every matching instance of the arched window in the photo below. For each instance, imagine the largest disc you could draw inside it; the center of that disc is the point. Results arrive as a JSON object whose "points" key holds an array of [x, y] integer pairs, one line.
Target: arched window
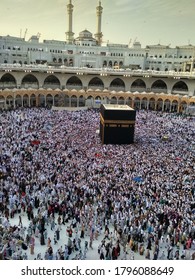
{"points": [[74, 83], [117, 84], [30, 81], [159, 86], [7, 81], [51, 82], [138, 85], [96, 83], [180, 87]]}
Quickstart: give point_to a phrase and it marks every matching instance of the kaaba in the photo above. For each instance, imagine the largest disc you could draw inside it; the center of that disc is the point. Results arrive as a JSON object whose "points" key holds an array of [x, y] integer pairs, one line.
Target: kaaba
{"points": [[117, 124]]}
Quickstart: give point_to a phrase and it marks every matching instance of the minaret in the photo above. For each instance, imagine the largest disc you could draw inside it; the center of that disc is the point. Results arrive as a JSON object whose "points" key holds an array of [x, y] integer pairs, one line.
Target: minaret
{"points": [[69, 33], [99, 35]]}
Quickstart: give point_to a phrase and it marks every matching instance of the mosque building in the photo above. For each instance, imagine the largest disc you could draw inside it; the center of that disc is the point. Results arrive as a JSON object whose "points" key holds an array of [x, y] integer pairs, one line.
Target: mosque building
{"points": [[83, 69]]}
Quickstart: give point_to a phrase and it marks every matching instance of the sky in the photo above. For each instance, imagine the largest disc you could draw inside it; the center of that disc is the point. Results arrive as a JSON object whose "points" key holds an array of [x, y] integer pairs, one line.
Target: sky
{"points": [[168, 22]]}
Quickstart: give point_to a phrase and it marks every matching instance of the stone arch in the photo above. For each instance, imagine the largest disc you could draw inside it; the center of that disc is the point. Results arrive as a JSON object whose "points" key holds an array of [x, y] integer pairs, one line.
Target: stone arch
{"points": [[61, 99], [96, 83], [183, 105], [159, 86], [167, 105], [117, 84], [2, 101], [18, 101], [56, 100], [81, 101], [41, 100], [137, 103], [97, 101], [129, 101], [51, 82], [98, 97], [138, 85], [30, 81], [73, 101], [8, 81], [49, 100], [152, 103], [159, 104], [66, 100], [26, 100], [89, 101], [32, 100], [9, 101], [174, 107], [121, 100], [179, 87], [74, 82], [113, 100], [144, 103]]}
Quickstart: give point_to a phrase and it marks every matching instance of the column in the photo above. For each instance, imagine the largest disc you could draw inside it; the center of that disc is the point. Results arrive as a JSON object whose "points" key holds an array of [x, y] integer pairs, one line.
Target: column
{"points": [[147, 106], [155, 105], [98, 35], [163, 104], [140, 104], [133, 102], [170, 109], [69, 33], [77, 101], [37, 101], [14, 101], [5, 103]]}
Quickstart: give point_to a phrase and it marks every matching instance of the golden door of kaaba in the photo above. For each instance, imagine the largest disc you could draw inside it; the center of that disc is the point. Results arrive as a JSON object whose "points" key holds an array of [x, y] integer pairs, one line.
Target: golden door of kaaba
{"points": [[117, 124]]}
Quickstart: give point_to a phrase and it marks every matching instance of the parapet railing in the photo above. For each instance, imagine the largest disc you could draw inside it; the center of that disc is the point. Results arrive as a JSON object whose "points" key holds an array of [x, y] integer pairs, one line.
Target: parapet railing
{"points": [[100, 71]]}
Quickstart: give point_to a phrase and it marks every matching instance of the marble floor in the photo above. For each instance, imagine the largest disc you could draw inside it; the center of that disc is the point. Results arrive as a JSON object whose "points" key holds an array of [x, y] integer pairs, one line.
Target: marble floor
{"points": [[91, 254]]}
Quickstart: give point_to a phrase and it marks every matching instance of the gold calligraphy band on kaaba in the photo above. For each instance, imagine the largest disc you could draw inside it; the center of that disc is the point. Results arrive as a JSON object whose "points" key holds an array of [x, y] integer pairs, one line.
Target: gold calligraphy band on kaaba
{"points": [[115, 121]]}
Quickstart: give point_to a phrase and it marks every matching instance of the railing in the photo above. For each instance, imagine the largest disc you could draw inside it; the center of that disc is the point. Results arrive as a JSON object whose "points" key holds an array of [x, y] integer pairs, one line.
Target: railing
{"points": [[139, 89], [7, 85], [180, 91], [159, 90], [106, 71], [30, 85], [51, 85]]}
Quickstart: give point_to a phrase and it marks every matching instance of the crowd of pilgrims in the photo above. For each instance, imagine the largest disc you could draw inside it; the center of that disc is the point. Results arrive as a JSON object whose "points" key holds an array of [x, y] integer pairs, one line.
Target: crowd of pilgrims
{"points": [[62, 191]]}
